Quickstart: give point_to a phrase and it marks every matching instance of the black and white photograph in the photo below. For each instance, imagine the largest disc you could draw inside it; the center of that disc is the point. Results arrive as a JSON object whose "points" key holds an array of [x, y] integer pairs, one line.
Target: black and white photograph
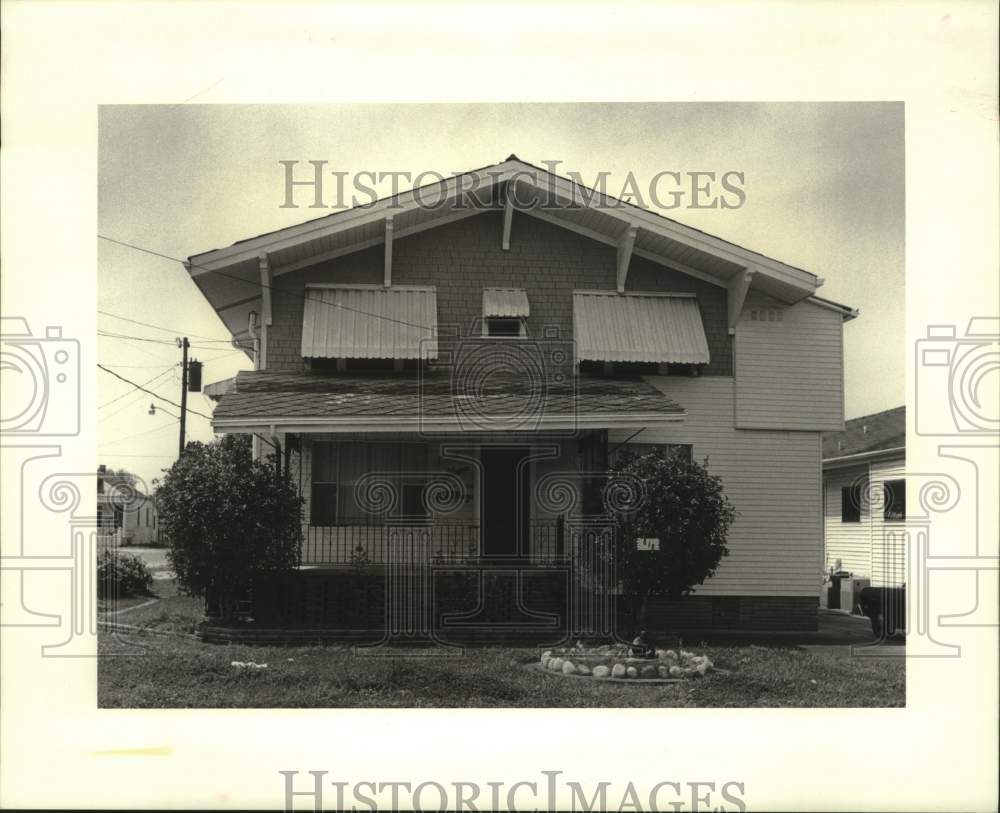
{"points": [[514, 434], [388, 424]]}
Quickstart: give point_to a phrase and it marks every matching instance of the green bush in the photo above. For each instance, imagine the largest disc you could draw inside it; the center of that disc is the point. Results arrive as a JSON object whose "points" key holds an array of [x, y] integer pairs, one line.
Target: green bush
{"points": [[230, 519], [120, 575], [685, 509]]}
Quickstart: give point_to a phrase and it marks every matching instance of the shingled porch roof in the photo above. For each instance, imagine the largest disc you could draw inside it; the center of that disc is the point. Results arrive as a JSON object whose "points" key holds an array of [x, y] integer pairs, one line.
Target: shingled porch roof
{"points": [[316, 402]]}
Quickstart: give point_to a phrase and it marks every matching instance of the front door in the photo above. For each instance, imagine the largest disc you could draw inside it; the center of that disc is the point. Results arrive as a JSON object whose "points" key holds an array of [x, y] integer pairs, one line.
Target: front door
{"points": [[505, 501]]}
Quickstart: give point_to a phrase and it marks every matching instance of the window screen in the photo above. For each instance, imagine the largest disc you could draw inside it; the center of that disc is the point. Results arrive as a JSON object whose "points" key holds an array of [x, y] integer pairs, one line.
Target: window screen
{"points": [[894, 496], [850, 503]]}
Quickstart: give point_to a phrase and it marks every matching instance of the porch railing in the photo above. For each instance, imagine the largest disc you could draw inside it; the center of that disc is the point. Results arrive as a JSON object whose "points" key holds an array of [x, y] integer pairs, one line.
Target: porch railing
{"points": [[363, 542]]}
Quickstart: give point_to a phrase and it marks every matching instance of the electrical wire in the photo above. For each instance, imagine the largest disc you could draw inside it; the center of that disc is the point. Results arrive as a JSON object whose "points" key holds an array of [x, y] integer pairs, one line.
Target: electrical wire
{"points": [[262, 286]]}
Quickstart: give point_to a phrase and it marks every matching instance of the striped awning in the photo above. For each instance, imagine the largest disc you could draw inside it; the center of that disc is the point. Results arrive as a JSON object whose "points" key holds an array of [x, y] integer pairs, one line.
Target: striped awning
{"points": [[370, 322], [505, 302], [659, 328]]}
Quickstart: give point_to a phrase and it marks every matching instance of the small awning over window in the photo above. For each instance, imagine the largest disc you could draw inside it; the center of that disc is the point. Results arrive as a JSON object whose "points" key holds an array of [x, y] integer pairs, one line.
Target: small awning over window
{"points": [[369, 322], [505, 302], [659, 328]]}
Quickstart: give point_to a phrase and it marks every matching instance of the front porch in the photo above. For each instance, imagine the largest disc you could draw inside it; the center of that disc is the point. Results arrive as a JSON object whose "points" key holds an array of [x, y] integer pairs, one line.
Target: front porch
{"points": [[360, 543]]}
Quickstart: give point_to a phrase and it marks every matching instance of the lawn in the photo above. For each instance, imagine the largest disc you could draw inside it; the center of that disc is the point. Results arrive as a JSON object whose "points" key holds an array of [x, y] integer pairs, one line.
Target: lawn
{"points": [[175, 670]]}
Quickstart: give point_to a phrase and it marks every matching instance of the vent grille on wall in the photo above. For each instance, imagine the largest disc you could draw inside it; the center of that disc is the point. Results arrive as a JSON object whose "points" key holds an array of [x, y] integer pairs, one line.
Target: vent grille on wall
{"points": [[765, 315]]}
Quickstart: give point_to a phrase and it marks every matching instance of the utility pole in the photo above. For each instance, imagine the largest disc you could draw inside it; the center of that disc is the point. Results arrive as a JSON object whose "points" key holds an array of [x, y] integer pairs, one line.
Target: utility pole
{"points": [[184, 389]]}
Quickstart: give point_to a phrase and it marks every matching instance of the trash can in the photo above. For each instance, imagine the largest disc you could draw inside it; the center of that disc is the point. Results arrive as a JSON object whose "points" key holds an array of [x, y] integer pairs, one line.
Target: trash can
{"points": [[834, 598]]}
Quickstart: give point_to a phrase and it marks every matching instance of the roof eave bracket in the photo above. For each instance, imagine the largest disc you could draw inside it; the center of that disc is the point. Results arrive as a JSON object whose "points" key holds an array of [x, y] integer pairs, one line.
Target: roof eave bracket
{"points": [[625, 245], [738, 287]]}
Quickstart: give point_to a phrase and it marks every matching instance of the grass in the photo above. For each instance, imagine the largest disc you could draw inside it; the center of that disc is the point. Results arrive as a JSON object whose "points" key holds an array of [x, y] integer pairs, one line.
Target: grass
{"points": [[178, 671]]}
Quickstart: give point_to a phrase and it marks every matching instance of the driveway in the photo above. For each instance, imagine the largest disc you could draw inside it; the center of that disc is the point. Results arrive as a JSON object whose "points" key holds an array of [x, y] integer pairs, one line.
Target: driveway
{"points": [[155, 559]]}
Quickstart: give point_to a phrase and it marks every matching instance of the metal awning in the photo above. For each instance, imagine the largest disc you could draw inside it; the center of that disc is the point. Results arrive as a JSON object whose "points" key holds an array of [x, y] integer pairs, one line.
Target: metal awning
{"points": [[369, 322], [640, 327], [505, 302]]}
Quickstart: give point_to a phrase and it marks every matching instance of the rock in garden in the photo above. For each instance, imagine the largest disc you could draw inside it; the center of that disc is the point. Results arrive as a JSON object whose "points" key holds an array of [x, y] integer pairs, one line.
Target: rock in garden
{"points": [[601, 671], [618, 670], [663, 671], [568, 667], [632, 672], [676, 671], [555, 664], [648, 672], [582, 669]]}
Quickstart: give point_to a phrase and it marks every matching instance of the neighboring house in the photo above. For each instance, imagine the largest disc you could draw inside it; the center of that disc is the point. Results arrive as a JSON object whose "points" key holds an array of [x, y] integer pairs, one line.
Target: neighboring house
{"points": [[864, 497], [448, 382], [123, 512]]}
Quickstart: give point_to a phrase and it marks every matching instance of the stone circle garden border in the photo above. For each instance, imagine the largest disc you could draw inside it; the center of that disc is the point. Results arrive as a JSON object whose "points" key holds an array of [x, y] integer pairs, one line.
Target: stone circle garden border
{"points": [[620, 663]]}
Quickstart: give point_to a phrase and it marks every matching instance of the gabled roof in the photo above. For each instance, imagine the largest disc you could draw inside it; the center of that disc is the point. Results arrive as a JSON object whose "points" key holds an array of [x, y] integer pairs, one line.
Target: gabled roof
{"points": [[230, 277], [879, 432]]}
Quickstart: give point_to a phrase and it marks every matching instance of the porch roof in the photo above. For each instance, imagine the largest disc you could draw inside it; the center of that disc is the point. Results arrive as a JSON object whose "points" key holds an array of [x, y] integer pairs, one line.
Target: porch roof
{"points": [[314, 402]]}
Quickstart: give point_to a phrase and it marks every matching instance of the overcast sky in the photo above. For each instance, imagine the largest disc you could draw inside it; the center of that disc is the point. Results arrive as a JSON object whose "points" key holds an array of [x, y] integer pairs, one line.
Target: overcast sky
{"points": [[823, 183]]}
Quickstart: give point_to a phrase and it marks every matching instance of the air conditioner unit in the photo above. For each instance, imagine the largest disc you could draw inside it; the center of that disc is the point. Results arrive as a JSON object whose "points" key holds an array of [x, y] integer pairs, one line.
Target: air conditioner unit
{"points": [[850, 592]]}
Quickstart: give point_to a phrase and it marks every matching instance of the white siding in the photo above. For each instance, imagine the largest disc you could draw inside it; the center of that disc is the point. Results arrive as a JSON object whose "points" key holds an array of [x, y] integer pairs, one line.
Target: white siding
{"points": [[888, 538], [773, 479], [789, 373], [873, 548], [850, 542]]}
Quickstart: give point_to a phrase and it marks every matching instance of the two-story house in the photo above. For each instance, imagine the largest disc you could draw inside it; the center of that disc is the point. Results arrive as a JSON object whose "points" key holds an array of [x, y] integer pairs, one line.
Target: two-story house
{"points": [[447, 372]]}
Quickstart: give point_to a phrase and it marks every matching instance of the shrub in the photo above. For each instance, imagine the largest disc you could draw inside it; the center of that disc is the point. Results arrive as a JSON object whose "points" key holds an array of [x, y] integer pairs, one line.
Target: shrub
{"points": [[120, 575], [229, 519], [686, 511]]}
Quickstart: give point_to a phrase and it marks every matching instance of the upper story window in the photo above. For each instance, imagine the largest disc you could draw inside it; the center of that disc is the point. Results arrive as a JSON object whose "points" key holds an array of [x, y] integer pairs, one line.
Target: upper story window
{"points": [[639, 329], [364, 326], [629, 450], [894, 500], [625, 368], [850, 503], [505, 311], [504, 326]]}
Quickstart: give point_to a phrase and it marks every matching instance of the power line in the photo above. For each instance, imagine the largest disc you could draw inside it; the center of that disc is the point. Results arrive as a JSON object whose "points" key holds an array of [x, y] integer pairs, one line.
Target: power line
{"points": [[262, 286], [160, 327], [140, 434], [149, 366], [129, 404], [110, 335], [125, 336], [141, 387], [113, 400]]}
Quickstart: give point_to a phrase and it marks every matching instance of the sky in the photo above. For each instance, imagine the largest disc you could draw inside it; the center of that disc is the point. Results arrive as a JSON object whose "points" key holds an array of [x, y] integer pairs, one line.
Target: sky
{"points": [[824, 186]]}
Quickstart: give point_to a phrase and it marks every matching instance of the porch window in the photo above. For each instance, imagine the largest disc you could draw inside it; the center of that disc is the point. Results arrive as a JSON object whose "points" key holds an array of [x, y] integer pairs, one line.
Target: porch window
{"points": [[894, 500], [340, 469], [684, 450], [323, 509], [850, 503]]}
